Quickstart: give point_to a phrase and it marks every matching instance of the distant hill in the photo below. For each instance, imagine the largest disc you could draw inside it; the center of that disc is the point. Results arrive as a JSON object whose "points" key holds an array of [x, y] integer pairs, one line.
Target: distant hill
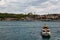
{"points": [[29, 16]]}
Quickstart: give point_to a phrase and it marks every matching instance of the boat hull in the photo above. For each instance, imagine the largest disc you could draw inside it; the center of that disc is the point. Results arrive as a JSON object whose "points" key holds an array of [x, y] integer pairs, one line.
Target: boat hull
{"points": [[45, 34]]}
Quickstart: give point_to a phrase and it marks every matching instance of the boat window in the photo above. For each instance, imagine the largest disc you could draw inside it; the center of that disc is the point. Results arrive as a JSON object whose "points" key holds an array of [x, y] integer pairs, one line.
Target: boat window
{"points": [[43, 30], [47, 30]]}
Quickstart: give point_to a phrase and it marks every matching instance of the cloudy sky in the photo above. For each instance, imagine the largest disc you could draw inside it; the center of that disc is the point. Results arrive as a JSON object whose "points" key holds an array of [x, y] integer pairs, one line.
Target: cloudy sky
{"points": [[25, 6]]}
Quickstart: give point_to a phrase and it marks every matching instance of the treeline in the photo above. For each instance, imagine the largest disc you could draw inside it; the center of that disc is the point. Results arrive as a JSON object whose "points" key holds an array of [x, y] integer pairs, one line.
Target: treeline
{"points": [[29, 16], [6, 15], [19, 16]]}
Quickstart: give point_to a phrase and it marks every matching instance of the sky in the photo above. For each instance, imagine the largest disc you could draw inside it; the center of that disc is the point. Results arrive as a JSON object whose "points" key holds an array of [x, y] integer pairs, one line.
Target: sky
{"points": [[35, 6]]}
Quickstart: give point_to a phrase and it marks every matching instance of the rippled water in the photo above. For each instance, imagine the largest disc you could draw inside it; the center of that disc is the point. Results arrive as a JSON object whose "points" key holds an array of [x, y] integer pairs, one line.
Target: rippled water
{"points": [[25, 30]]}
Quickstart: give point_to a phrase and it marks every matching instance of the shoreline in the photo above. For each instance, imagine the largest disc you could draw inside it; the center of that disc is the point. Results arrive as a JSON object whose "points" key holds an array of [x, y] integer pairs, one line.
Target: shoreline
{"points": [[29, 17]]}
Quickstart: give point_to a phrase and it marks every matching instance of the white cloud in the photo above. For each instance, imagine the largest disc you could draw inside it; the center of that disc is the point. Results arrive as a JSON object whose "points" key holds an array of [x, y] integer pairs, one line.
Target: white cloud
{"points": [[3, 2], [33, 9], [21, 1], [12, 0], [49, 6], [26, 1]]}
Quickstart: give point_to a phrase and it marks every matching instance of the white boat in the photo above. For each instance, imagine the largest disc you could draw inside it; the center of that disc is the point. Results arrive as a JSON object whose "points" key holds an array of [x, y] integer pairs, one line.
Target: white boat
{"points": [[45, 33]]}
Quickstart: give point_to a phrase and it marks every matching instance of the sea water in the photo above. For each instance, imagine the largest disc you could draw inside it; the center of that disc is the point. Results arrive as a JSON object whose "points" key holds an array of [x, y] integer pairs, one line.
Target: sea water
{"points": [[27, 30]]}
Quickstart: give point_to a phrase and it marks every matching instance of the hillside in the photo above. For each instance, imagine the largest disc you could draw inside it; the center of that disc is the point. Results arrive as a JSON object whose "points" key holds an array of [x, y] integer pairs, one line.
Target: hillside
{"points": [[29, 16]]}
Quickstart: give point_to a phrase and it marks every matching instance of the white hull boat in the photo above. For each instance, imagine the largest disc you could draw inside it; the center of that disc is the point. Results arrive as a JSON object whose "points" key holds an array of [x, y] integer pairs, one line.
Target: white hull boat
{"points": [[45, 33]]}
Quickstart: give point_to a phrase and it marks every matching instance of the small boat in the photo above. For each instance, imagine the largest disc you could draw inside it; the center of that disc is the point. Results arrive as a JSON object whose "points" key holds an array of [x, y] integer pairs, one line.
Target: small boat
{"points": [[45, 33]]}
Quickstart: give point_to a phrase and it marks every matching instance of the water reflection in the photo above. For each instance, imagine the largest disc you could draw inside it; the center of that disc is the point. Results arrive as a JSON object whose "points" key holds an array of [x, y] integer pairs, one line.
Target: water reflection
{"points": [[45, 38]]}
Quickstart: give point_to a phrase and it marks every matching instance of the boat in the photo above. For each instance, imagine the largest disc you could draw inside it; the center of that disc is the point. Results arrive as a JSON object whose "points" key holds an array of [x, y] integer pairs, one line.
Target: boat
{"points": [[45, 32]]}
